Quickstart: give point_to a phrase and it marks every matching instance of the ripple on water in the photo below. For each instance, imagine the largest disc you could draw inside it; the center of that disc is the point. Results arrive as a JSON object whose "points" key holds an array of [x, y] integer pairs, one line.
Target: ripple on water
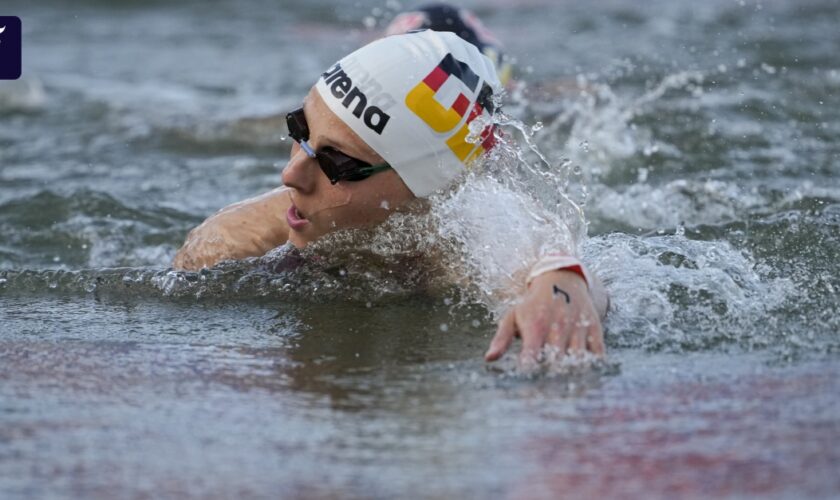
{"points": [[89, 229]]}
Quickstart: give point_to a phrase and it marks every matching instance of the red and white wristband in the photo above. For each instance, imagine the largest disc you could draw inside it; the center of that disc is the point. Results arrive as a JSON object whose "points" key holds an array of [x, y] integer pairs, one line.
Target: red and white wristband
{"points": [[558, 262]]}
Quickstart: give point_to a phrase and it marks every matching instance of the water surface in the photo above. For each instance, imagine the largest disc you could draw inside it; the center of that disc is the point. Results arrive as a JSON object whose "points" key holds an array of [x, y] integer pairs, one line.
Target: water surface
{"points": [[705, 157]]}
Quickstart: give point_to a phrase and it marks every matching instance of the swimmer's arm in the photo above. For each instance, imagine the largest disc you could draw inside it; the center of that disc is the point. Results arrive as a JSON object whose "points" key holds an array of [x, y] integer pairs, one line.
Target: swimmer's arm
{"points": [[249, 228]]}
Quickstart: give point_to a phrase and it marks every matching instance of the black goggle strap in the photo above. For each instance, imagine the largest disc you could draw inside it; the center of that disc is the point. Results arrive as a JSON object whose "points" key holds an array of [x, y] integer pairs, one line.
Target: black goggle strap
{"points": [[372, 169], [359, 173]]}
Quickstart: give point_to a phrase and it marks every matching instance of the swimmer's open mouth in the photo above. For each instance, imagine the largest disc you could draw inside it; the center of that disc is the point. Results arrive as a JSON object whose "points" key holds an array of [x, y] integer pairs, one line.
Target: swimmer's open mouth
{"points": [[296, 219]]}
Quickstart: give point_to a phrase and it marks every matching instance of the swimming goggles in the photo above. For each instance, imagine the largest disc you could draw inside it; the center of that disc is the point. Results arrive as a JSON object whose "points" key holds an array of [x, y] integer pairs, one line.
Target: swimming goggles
{"points": [[336, 165]]}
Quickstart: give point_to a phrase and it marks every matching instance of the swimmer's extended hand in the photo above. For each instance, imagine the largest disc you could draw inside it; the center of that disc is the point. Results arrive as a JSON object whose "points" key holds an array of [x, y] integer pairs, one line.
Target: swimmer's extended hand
{"points": [[558, 310], [249, 228]]}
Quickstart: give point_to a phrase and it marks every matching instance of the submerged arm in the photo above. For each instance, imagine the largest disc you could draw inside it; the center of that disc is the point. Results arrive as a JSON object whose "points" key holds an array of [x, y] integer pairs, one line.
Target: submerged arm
{"points": [[249, 228]]}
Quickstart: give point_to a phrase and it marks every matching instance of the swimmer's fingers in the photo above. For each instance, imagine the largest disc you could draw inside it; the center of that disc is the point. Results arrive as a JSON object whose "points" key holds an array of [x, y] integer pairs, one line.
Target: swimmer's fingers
{"points": [[534, 333], [558, 333], [503, 338], [577, 335], [595, 339]]}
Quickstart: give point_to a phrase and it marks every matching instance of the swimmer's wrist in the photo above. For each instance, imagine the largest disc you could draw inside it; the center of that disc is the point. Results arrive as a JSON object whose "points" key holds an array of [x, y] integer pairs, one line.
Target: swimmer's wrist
{"points": [[558, 262]]}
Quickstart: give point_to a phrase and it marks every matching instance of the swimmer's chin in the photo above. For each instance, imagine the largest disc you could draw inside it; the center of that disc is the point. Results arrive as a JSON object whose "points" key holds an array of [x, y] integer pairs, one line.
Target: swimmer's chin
{"points": [[296, 241]]}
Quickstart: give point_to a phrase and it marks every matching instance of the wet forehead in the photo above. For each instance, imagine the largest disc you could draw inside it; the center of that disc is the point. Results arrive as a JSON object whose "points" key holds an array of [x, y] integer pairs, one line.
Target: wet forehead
{"points": [[327, 129]]}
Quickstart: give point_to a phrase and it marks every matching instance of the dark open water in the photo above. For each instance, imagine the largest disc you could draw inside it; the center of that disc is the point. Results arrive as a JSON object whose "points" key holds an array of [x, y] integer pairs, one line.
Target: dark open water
{"points": [[709, 159]]}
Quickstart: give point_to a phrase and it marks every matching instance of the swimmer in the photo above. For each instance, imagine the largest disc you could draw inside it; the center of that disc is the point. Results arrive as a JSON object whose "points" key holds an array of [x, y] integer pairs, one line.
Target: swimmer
{"points": [[371, 138], [465, 24], [462, 22]]}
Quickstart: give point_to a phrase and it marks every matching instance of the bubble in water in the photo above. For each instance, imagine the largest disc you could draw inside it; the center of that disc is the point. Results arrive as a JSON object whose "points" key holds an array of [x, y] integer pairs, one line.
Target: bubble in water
{"points": [[770, 70], [444, 327], [650, 149]]}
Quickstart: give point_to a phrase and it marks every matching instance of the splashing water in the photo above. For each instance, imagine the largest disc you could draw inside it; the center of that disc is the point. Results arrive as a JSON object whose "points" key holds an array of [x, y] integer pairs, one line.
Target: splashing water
{"points": [[484, 233]]}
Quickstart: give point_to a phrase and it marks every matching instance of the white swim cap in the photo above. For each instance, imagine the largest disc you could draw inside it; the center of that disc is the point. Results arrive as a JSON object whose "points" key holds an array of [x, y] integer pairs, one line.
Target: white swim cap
{"points": [[411, 98]]}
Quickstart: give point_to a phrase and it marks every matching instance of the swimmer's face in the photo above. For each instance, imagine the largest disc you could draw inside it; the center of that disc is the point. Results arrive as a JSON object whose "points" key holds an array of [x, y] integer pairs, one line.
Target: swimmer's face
{"points": [[319, 207]]}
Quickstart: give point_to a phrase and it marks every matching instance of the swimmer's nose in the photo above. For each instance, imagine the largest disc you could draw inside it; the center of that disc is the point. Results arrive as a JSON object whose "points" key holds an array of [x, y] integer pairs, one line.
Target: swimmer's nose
{"points": [[301, 172]]}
